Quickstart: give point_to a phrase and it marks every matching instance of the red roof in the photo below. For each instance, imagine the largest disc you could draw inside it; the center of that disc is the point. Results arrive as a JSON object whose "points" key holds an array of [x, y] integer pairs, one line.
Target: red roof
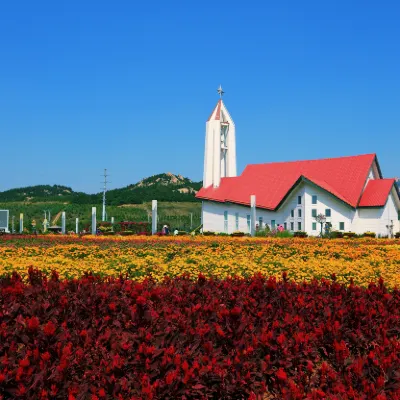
{"points": [[376, 192], [344, 177], [218, 111]]}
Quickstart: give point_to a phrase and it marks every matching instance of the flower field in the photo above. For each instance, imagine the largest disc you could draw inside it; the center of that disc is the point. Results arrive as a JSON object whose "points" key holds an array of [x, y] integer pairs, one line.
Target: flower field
{"points": [[199, 318], [197, 339], [361, 260]]}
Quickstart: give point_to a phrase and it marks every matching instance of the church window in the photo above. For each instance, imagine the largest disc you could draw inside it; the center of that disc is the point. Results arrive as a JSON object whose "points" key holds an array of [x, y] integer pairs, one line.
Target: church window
{"points": [[260, 222], [237, 221], [285, 226], [299, 226], [314, 212], [299, 212], [314, 199], [226, 221], [341, 226], [328, 212], [292, 226], [248, 222], [298, 199], [292, 213], [314, 226], [273, 224]]}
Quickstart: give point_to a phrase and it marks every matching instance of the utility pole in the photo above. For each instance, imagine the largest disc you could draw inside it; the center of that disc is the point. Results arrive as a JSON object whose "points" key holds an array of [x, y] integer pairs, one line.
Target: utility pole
{"points": [[104, 215]]}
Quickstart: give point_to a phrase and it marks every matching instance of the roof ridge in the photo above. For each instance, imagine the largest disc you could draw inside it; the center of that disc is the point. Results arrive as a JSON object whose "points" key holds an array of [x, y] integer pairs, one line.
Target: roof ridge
{"points": [[315, 159]]}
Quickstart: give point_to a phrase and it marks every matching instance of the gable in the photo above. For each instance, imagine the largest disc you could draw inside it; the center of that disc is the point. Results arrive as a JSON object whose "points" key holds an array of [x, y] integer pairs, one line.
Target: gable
{"points": [[376, 192]]}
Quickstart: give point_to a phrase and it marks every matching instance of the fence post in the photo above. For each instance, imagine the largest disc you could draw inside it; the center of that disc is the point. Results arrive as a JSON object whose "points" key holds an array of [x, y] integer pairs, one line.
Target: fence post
{"points": [[253, 214], [21, 223], [154, 217], [94, 226], [63, 222]]}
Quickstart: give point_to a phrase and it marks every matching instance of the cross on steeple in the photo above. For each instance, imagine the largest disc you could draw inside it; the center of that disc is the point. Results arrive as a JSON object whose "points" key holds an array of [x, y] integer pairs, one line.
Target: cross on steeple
{"points": [[220, 91]]}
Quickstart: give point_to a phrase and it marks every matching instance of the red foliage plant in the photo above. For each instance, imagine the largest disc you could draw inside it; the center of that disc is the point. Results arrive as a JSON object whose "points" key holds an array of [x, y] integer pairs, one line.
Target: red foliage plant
{"points": [[197, 339]]}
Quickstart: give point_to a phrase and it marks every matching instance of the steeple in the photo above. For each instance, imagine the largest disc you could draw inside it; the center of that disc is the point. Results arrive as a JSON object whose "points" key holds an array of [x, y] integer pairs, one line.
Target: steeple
{"points": [[220, 146]]}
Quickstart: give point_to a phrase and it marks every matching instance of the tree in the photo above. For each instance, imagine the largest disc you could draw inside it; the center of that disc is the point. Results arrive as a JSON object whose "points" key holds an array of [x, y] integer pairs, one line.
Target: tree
{"points": [[320, 218]]}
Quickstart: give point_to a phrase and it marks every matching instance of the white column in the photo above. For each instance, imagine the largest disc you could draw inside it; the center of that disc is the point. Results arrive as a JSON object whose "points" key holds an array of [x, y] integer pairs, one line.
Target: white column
{"points": [[153, 217], [94, 223], [63, 222], [76, 225], [112, 224], [21, 223], [253, 214]]}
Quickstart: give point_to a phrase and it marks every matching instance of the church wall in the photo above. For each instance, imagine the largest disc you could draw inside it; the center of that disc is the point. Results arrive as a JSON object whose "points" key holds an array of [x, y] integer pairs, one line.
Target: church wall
{"points": [[213, 214], [376, 219], [359, 221], [340, 212]]}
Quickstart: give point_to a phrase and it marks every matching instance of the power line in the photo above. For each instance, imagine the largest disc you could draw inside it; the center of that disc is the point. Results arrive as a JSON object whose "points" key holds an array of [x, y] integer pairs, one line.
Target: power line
{"points": [[104, 214]]}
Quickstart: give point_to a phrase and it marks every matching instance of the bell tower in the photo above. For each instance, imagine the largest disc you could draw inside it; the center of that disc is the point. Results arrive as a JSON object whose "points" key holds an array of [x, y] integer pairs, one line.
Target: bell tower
{"points": [[220, 146]]}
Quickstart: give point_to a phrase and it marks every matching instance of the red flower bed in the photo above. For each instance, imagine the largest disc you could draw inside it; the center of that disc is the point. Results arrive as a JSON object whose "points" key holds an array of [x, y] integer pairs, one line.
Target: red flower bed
{"points": [[183, 339]]}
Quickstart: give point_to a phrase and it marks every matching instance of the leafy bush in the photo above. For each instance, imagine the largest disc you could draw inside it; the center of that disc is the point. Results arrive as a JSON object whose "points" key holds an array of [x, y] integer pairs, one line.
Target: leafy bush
{"points": [[284, 234], [237, 234], [263, 232], [208, 233], [126, 233], [239, 338], [336, 234], [397, 235], [300, 234], [369, 234], [349, 235]]}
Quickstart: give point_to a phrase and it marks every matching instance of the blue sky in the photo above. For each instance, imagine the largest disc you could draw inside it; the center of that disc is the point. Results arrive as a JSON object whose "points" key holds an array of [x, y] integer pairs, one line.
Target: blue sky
{"points": [[128, 85]]}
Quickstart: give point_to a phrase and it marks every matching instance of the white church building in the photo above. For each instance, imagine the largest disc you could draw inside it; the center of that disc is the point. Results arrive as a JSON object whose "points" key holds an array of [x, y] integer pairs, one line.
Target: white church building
{"points": [[349, 191]]}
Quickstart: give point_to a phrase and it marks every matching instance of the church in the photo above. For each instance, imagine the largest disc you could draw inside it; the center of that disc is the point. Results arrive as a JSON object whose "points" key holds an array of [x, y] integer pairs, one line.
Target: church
{"points": [[349, 193]]}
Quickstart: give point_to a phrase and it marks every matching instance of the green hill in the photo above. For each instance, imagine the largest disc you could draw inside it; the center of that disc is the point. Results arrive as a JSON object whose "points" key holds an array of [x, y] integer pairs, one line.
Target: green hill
{"points": [[163, 187]]}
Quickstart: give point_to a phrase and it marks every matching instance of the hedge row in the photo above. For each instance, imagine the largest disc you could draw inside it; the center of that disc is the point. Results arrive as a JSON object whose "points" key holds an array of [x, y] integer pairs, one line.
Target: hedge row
{"points": [[203, 339]]}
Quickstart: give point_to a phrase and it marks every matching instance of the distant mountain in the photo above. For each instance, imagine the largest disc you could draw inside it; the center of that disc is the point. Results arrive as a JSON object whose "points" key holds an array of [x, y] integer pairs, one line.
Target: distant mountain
{"points": [[39, 193], [163, 187]]}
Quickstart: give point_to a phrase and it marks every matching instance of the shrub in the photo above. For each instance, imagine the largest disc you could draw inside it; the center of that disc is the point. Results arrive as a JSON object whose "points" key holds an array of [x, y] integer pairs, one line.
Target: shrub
{"points": [[208, 233], [126, 233], [369, 234], [300, 234], [184, 338], [237, 234], [336, 235], [263, 232], [284, 234], [349, 235], [397, 235]]}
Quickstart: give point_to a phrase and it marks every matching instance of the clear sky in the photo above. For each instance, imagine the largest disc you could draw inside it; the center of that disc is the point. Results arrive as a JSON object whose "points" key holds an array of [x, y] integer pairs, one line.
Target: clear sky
{"points": [[128, 85]]}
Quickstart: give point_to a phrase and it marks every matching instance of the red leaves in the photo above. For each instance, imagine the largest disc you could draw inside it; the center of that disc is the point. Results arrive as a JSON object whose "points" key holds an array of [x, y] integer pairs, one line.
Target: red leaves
{"points": [[206, 338], [24, 363], [49, 329], [33, 323], [281, 375], [46, 356]]}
